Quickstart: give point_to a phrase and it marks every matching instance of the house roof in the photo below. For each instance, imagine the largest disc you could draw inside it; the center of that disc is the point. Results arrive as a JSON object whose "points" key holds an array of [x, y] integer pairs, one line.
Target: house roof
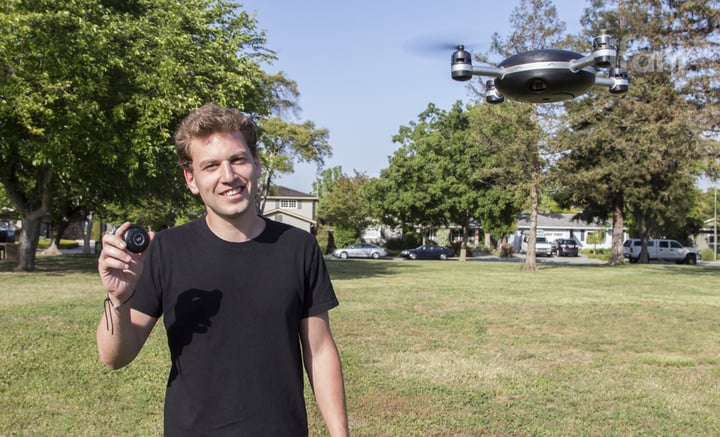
{"points": [[556, 221], [289, 193], [289, 214]]}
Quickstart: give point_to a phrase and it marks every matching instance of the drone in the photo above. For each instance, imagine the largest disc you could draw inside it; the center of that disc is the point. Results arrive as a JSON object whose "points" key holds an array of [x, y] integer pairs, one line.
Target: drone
{"points": [[545, 76]]}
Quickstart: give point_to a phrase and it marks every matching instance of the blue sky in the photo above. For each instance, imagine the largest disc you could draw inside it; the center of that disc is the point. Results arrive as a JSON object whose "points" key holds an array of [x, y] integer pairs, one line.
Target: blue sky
{"points": [[355, 76]]}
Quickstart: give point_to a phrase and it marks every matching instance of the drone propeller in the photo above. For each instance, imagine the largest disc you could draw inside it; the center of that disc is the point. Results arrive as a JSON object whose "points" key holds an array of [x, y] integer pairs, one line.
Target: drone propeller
{"points": [[431, 45]]}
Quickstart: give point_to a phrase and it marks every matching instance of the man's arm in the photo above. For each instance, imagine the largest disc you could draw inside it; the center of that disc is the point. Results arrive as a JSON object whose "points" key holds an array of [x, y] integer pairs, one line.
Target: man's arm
{"points": [[122, 331], [322, 364], [121, 334]]}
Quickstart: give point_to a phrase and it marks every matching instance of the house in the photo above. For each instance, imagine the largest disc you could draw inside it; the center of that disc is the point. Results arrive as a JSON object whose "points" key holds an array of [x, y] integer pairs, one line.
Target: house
{"points": [[558, 225], [706, 237], [552, 226], [292, 207]]}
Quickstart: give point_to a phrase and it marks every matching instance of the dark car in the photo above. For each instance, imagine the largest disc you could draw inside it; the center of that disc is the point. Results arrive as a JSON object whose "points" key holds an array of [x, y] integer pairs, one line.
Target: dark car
{"points": [[7, 233], [428, 252], [565, 247]]}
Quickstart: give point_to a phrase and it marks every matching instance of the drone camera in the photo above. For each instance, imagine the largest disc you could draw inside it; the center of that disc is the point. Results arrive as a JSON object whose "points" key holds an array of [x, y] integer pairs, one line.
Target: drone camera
{"points": [[537, 85], [461, 64]]}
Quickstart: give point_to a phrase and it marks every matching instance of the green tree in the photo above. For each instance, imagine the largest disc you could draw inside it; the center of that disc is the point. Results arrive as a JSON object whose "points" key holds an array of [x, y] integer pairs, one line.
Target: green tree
{"points": [[535, 26], [345, 205], [638, 154], [506, 137], [91, 91], [400, 195], [322, 185], [282, 144], [450, 169]]}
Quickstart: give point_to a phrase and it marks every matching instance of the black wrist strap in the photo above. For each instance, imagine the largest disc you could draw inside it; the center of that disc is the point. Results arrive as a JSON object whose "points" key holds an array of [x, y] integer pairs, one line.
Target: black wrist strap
{"points": [[108, 306]]}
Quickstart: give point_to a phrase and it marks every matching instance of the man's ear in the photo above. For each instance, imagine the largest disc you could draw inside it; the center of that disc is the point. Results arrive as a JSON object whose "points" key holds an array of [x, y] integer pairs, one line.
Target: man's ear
{"points": [[190, 181]]}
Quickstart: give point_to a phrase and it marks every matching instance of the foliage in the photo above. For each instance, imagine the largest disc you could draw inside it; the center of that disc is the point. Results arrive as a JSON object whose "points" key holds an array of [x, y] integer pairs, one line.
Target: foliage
{"points": [[638, 155], [442, 237], [93, 89], [451, 168], [535, 25], [409, 240], [344, 237], [343, 200], [322, 185], [506, 137], [281, 144]]}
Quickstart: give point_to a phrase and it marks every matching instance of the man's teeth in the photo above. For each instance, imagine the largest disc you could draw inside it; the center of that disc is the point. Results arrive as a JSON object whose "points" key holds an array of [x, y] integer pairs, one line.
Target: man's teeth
{"points": [[233, 192]]}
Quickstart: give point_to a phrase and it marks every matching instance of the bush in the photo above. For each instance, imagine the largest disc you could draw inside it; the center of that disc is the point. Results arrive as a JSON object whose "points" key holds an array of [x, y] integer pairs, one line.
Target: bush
{"points": [[345, 237], [707, 255]]}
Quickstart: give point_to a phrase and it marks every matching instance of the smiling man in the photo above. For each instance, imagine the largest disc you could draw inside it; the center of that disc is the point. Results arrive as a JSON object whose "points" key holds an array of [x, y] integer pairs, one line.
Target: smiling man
{"points": [[244, 300]]}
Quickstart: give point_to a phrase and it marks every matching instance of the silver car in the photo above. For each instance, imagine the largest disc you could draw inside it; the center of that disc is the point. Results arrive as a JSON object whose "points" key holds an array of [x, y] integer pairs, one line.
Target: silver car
{"points": [[360, 250]]}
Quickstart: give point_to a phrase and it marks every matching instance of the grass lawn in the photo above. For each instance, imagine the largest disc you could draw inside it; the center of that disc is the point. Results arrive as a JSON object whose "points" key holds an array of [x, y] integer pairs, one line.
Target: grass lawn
{"points": [[429, 348]]}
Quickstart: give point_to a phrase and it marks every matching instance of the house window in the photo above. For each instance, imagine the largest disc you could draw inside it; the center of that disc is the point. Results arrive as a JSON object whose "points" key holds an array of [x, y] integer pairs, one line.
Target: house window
{"points": [[288, 204]]}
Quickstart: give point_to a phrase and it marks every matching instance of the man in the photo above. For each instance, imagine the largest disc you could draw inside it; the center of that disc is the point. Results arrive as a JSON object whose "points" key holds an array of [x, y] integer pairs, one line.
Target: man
{"points": [[244, 300]]}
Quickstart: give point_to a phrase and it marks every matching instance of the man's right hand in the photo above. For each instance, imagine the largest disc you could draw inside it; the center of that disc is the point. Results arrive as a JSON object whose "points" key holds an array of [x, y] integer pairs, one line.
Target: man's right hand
{"points": [[119, 268]]}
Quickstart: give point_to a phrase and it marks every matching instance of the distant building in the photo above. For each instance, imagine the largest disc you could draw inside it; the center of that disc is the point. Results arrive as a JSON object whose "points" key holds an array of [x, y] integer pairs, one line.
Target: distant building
{"points": [[558, 225], [292, 207], [706, 237], [552, 226]]}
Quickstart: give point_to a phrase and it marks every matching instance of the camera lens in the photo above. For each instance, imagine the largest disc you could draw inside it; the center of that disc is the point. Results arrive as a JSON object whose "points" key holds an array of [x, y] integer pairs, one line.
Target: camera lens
{"points": [[136, 238]]}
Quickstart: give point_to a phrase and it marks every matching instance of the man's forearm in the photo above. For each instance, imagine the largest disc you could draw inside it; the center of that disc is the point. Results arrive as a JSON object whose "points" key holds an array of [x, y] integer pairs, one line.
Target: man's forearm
{"points": [[329, 389], [119, 337]]}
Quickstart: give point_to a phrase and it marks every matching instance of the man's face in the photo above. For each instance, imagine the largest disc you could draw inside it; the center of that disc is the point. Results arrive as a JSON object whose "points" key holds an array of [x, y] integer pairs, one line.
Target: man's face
{"points": [[224, 173]]}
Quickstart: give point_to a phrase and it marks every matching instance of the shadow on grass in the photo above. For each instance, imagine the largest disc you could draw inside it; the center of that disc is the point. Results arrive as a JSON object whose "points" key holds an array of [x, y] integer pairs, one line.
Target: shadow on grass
{"points": [[67, 263], [361, 268]]}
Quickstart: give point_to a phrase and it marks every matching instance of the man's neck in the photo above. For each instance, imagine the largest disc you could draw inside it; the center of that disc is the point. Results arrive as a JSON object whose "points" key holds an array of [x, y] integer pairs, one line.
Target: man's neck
{"points": [[236, 230]]}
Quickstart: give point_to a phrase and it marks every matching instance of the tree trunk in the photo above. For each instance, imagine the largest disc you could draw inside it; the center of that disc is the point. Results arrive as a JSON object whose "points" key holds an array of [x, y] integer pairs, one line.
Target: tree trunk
{"points": [[32, 216], [616, 256], [54, 248], [463, 245], [28, 243], [530, 260], [87, 235]]}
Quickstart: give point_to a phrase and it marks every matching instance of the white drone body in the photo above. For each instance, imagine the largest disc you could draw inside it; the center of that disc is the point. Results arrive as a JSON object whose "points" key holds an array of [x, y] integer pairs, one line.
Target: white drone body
{"points": [[545, 76]]}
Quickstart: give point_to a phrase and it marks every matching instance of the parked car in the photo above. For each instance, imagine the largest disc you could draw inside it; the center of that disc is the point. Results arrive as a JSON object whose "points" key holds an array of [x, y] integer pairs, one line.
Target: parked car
{"points": [[428, 252], [542, 246], [662, 250], [565, 247], [360, 250], [7, 233]]}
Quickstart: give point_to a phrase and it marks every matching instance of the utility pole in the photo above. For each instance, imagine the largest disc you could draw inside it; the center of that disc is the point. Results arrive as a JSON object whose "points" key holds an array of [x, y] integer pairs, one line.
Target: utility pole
{"points": [[715, 240]]}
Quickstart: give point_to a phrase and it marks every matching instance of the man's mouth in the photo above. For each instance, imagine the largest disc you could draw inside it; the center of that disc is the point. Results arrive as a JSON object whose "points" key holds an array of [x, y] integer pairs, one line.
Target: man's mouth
{"points": [[234, 191]]}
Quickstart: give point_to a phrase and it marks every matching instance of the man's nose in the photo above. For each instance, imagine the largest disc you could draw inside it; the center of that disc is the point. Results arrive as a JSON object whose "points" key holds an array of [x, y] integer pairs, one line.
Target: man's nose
{"points": [[227, 171]]}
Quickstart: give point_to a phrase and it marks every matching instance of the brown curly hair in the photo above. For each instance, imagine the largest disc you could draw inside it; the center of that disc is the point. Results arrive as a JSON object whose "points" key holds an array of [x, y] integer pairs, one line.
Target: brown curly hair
{"points": [[206, 120]]}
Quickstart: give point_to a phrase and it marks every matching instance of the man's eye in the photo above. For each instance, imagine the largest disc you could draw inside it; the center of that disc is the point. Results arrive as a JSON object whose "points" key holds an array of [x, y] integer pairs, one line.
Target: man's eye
{"points": [[210, 167]]}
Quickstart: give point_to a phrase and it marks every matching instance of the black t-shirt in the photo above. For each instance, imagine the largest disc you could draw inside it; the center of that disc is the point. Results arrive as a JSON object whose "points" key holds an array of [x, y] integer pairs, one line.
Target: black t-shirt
{"points": [[232, 312]]}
